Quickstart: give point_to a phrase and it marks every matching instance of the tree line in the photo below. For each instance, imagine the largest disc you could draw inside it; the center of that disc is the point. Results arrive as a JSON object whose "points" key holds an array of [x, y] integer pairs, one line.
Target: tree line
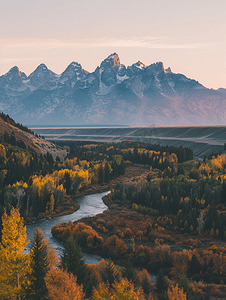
{"points": [[9, 120], [194, 201]]}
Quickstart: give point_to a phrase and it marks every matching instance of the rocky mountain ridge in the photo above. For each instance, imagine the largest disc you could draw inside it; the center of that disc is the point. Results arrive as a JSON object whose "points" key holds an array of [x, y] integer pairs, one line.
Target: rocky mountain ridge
{"points": [[136, 95]]}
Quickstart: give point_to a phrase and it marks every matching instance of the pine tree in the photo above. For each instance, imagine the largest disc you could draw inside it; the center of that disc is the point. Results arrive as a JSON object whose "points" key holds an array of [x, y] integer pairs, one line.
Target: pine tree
{"points": [[39, 266], [194, 266], [100, 174], [106, 173], [72, 261], [161, 283], [67, 182], [51, 204], [145, 281], [109, 273]]}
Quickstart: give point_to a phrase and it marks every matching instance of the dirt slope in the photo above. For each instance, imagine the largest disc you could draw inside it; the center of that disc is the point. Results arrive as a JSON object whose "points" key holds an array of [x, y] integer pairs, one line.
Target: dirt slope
{"points": [[37, 144]]}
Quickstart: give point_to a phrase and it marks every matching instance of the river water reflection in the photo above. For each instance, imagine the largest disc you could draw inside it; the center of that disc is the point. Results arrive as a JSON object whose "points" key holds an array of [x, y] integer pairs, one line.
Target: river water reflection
{"points": [[90, 205]]}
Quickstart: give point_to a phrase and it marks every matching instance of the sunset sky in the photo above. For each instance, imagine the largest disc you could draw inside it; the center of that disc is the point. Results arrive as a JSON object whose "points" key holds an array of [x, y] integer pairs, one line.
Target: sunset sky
{"points": [[189, 36]]}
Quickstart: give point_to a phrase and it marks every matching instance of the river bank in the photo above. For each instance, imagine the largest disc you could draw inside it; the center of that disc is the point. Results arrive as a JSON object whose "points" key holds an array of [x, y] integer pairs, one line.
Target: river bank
{"points": [[132, 172], [90, 205]]}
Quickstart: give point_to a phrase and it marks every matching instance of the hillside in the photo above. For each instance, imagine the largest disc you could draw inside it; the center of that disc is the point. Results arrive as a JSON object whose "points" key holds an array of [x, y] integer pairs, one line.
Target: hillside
{"points": [[137, 95], [32, 142]]}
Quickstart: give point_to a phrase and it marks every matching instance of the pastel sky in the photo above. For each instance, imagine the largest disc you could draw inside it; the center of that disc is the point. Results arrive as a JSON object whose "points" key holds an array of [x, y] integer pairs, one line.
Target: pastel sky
{"points": [[189, 36]]}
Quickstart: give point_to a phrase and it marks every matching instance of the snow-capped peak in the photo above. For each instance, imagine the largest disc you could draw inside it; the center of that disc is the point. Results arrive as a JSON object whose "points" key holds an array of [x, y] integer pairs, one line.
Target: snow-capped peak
{"points": [[75, 65], [42, 67], [113, 93], [42, 71], [72, 69], [139, 65], [112, 60]]}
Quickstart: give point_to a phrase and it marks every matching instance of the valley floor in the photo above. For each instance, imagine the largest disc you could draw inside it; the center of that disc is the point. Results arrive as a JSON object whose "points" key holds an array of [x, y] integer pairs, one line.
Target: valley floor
{"points": [[202, 139]]}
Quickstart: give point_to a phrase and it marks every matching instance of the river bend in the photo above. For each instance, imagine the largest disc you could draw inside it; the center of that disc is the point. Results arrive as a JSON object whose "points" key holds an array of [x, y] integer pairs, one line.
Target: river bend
{"points": [[90, 205]]}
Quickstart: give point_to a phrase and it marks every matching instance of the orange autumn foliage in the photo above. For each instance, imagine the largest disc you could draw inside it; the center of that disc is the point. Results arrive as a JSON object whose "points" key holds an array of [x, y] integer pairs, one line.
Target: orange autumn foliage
{"points": [[64, 230], [175, 293], [63, 286]]}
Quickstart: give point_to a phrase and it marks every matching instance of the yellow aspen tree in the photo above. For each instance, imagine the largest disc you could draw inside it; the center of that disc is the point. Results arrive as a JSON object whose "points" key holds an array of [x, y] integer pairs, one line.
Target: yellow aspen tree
{"points": [[14, 264], [124, 290], [102, 292], [175, 293]]}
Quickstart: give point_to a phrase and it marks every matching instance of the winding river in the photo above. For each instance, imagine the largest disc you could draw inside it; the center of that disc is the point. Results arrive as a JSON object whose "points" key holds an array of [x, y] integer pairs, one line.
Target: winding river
{"points": [[90, 205]]}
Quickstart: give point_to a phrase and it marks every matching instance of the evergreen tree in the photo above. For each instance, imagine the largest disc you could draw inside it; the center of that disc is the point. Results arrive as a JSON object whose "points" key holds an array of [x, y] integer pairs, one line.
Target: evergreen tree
{"points": [[109, 273], [194, 266], [67, 182], [129, 272], [122, 168], [107, 173], [100, 174], [145, 281], [39, 265], [72, 261], [161, 283]]}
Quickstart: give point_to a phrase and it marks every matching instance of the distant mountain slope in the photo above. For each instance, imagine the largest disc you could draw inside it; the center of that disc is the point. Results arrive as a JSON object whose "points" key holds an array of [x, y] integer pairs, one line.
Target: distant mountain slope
{"points": [[30, 141], [113, 94]]}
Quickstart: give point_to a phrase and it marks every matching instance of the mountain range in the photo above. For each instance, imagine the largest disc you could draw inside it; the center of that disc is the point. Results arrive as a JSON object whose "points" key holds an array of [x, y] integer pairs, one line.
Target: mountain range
{"points": [[113, 94]]}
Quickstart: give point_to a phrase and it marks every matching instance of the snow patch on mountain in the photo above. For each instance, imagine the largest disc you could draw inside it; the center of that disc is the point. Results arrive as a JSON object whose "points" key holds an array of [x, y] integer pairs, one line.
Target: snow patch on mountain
{"points": [[112, 94]]}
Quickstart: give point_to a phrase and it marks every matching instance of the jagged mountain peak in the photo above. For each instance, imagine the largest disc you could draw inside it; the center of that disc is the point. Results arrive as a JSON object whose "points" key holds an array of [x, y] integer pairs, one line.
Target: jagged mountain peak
{"points": [[139, 65], [113, 93], [42, 76], [111, 61], [74, 70], [168, 70], [42, 68], [14, 78], [42, 71], [14, 71], [71, 69], [75, 65], [157, 67]]}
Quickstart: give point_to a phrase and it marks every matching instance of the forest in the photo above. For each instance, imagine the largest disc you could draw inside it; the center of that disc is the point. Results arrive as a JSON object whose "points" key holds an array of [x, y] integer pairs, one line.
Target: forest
{"points": [[168, 221]]}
